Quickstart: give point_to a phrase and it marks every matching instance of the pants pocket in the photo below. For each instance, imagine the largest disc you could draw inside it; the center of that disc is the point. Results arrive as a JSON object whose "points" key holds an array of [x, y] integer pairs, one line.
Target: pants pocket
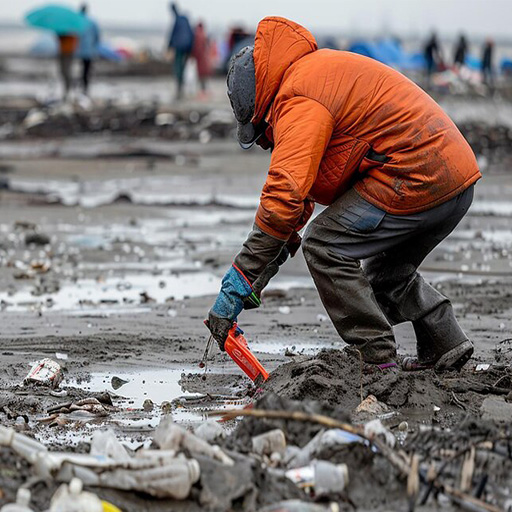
{"points": [[359, 216]]}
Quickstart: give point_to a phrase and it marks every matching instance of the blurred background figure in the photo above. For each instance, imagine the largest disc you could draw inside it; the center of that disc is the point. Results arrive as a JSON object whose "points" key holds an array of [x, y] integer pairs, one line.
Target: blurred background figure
{"points": [[68, 44], [88, 48], [433, 58], [460, 51], [238, 37], [181, 41], [487, 67], [202, 54]]}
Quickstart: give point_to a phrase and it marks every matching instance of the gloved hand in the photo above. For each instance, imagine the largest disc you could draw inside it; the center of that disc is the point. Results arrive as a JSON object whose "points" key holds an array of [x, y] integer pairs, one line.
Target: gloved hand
{"points": [[234, 291]]}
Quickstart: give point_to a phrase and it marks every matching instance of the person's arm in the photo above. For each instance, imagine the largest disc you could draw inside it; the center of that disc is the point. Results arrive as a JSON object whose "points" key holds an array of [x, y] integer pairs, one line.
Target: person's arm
{"points": [[301, 134]]}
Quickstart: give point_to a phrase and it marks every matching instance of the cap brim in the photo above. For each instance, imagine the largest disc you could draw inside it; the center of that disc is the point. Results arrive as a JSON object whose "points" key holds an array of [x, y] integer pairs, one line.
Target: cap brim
{"points": [[246, 134]]}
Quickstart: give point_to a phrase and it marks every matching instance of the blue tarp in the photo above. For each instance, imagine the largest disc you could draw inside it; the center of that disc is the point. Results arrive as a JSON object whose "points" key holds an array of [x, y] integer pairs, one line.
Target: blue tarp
{"points": [[390, 52], [506, 65]]}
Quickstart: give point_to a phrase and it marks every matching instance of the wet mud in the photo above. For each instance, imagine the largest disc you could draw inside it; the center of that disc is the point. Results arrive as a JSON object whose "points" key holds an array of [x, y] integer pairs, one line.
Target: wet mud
{"points": [[111, 250]]}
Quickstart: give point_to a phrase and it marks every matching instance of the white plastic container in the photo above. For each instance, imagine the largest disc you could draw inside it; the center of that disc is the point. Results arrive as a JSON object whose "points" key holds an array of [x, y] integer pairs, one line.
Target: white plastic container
{"points": [[72, 498], [22, 502]]}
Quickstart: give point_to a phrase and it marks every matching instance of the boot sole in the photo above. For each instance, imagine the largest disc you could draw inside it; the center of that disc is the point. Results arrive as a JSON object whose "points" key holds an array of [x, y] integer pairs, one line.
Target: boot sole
{"points": [[455, 358]]}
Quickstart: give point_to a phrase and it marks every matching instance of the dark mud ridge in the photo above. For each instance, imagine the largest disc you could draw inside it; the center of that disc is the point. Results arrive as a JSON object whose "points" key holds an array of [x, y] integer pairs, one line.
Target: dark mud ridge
{"points": [[335, 377], [138, 120], [494, 142]]}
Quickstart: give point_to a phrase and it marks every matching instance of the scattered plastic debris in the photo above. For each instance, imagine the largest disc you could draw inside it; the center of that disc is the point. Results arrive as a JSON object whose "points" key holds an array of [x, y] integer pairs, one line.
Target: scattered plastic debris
{"points": [[45, 372]]}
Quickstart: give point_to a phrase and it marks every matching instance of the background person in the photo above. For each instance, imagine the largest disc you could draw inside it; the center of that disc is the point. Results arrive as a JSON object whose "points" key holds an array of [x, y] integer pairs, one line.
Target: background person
{"points": [[201, 53], [88, 49], [432, 55], [181, 41], [487, 65], [461, 51]]}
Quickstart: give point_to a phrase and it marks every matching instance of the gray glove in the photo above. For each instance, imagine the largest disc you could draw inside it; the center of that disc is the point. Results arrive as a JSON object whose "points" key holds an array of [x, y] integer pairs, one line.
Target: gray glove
{"points": [[219, 327]]}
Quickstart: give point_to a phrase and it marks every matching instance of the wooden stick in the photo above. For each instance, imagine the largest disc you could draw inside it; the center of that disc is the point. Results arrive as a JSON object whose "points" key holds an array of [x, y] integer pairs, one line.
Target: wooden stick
{"points": [[394, 457], [321, 419]]}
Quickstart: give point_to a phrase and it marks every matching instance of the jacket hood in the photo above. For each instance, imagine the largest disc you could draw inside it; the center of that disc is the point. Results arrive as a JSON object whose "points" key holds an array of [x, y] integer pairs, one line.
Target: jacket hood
{"points": [[279, 43]]}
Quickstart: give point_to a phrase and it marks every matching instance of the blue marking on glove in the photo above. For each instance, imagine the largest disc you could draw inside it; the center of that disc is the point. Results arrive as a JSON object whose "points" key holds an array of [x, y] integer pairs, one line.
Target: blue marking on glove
{"points": [[234, 290]]}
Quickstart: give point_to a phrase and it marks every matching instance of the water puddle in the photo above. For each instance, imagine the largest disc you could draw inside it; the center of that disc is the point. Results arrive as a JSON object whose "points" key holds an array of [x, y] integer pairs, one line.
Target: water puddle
{"points": [[159, 392], [132, 289], [157, 385]]}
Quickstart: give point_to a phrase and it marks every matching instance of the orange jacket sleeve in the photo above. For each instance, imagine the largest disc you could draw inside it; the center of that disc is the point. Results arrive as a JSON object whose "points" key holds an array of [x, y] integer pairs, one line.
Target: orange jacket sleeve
{"points": [[302, 130]]}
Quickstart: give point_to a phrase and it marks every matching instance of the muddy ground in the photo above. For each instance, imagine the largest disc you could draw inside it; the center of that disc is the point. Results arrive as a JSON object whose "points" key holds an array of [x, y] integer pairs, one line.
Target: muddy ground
{"points": [[111, 250]]}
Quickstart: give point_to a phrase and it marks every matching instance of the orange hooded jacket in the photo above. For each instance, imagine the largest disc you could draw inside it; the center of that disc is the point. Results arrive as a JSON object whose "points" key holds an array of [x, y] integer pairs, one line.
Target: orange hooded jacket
{"points": [[326, 110]]}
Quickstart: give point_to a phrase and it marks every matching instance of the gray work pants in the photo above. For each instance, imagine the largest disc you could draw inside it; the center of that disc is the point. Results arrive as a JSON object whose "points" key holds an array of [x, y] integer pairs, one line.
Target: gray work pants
{"points": [[364, 301]]}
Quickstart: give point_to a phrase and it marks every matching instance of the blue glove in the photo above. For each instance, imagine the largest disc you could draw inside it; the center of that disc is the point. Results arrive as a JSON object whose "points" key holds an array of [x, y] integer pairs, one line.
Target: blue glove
{"points": [[234, 291]]}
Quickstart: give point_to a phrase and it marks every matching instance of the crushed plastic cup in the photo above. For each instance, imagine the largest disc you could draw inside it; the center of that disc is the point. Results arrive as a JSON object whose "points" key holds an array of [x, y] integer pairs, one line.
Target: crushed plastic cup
{"points": [[45, 372], [273, 441], [210, 431]]}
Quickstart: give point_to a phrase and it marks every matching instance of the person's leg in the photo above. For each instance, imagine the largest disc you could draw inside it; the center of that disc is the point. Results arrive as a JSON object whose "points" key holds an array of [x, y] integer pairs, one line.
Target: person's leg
{"points": [[404, 295], [344, 289], [65, 72], [180, 61], [86, 71], [352, 229]]}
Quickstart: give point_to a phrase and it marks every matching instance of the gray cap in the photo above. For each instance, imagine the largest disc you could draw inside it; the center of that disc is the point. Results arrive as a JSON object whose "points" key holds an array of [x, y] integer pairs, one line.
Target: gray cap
{"points": [[241, 82]]}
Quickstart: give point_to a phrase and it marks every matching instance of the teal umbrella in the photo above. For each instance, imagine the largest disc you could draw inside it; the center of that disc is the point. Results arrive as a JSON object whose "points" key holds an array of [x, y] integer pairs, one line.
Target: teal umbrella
{"points": [[57, 18]]}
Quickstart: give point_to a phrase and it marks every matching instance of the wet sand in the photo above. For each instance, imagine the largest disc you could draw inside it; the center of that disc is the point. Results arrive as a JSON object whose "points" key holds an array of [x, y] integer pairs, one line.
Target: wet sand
{"points": [[140, 233]]}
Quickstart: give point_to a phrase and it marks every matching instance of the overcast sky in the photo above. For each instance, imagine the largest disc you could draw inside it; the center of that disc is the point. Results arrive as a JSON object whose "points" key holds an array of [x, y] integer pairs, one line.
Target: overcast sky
{"points": [[478, 17]]}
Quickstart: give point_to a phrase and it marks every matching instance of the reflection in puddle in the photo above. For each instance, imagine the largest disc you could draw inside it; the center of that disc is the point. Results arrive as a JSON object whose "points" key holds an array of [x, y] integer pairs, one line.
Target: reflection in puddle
{"points": [[162, 387], [156, 385]]}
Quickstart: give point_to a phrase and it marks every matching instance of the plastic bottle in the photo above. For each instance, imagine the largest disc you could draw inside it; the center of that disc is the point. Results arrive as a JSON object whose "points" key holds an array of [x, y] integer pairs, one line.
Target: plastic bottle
{"points": [[72, 498], [323, 440], [320, 478], [23, 445], [22, 502], [299, 506], [173, 480]]}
